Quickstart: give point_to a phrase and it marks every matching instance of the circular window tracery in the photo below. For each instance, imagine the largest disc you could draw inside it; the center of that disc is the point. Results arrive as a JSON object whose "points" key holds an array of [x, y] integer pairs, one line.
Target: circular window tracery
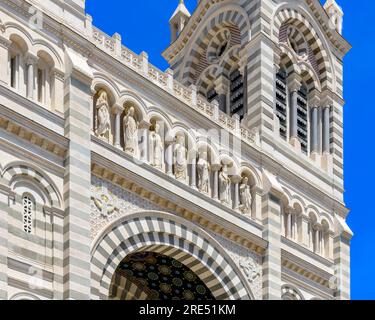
{"points": [[218, 46]]}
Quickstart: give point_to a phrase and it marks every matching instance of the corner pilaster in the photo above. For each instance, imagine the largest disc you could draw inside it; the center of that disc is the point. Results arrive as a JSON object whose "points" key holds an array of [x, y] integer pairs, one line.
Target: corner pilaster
{"points": [[77, 179]]}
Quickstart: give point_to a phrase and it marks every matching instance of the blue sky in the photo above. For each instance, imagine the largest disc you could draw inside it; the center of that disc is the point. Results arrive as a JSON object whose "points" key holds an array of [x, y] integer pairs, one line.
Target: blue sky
{"points": [[144, 27]]}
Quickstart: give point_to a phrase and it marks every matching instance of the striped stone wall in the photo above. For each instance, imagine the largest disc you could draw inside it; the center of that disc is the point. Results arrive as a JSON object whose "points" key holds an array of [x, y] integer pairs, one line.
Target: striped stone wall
{"points": [[271, 210], [3, 245], [77, 182], [341, 255], [260, 89]]}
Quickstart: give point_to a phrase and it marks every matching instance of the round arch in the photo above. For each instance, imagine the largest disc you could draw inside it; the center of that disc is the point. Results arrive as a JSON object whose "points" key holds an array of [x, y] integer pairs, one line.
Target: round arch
{"points": [[296, 17], [228, 15], [24, 296], [290, 292], [17, 170], [165, 233]]}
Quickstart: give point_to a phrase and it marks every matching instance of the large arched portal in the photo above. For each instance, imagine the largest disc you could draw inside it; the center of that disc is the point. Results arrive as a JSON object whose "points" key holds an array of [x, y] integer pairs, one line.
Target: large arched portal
{"points": [[154, 276], [162, 236]]}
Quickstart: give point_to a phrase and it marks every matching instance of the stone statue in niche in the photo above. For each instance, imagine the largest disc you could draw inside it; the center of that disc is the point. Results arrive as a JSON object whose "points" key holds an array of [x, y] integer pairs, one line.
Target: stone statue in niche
{"points": [[245, 196], [156, 148], [131, 133], [180, 162], [224, 185], [204, 168], [103, 121]]}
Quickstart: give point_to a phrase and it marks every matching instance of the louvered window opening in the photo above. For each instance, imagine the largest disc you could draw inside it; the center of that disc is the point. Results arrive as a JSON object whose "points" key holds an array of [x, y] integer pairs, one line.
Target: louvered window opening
{"points": [[302, 118], [237, 94], [281, 103]]}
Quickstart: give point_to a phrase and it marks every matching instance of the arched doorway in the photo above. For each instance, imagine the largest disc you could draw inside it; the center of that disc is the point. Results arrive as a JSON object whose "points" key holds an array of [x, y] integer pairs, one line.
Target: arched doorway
{"points": [[154, 276], [162, 234]]}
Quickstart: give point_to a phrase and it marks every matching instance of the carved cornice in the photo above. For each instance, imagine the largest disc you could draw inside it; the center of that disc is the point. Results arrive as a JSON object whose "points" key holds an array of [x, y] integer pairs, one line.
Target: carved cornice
{"points": [[305, 269], [30, 131]]}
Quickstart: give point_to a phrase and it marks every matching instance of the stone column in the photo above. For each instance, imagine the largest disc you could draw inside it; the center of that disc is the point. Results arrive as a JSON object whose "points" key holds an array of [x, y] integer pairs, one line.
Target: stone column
{"points": [[145, 129], [215, 192], [117, 111], [314, 130], [289, 224], [169, 157], [305, 231], [4, 57], [31, 63], [294, 85], [326, 128], [193, 171], [236, 183], [316, 239], [222, 85]]}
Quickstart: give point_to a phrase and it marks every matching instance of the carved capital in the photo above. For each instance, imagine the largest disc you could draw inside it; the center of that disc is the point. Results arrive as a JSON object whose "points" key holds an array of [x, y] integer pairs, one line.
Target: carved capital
{"points": [[236, 179], [117, 108], [314, 98], [294, 82], [31, 59]]}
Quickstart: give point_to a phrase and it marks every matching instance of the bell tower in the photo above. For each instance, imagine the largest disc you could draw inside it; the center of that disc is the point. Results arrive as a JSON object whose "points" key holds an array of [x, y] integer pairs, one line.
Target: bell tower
{"points": [[275, 69]]}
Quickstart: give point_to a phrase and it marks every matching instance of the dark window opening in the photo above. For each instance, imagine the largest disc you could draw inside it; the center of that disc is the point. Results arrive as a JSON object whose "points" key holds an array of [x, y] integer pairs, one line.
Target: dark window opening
{"points": [[237, 94], [13, 62], [40, 85], [302, 120], [281, 102]]}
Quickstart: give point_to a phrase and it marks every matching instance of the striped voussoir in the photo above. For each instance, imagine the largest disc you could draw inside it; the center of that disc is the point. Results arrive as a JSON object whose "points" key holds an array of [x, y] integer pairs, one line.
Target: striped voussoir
{"points": [[295, 18], [227, 64], [290, 292], [157, 232], [15, 171], [122, 288], [232, 18]]}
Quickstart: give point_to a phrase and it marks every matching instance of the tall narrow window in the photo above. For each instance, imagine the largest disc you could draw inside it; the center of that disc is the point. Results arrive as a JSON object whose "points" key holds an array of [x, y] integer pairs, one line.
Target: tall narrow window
{"points": [[237, 94], [13, 71], [302, 125], [28, 212], [281, 102]]}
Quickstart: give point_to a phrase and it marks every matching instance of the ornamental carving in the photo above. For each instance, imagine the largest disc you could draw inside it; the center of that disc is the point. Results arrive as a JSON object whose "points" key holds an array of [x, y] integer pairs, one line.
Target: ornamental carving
{"points": [[247, 261], [110, 202], [251, 270]]}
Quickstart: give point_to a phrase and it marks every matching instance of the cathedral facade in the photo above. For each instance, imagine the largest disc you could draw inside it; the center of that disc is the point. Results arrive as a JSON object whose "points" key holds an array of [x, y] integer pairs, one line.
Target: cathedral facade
{"points": [[218, 179]]}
